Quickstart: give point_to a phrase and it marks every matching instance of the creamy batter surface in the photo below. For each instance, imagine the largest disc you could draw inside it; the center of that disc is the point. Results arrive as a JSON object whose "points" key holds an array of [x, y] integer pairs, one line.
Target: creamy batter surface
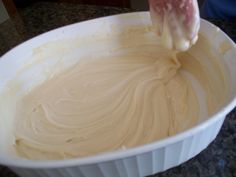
{"points": [[107, 104]]}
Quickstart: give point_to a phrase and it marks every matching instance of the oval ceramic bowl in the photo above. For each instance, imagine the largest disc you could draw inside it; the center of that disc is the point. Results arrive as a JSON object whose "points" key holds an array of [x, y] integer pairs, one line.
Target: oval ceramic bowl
{"points": [[135, 162]]}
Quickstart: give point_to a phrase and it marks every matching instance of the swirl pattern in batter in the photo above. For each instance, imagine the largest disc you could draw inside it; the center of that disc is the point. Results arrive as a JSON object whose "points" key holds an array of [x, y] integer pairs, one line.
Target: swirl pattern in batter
{"points": [[106, 104]]}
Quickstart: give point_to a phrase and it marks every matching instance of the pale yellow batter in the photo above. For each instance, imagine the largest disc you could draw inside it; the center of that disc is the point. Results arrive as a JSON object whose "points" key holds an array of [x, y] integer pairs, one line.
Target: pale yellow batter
{"points": [[107, 104]]}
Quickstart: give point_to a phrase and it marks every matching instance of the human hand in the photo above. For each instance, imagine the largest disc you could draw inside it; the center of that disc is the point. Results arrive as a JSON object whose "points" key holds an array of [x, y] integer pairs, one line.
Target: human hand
{"points": [[177, 22]]}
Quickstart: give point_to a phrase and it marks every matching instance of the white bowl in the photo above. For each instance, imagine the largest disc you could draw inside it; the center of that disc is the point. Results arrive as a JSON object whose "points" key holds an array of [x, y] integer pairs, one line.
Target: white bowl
{"points": [[139, 161]]}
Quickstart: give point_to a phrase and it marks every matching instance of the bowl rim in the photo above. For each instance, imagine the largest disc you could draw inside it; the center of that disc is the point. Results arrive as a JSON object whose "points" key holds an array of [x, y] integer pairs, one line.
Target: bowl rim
{"points": [[116, 155]]}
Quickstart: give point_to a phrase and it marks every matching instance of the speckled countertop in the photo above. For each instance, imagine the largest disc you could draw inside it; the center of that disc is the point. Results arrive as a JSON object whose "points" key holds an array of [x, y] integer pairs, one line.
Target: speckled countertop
{"points": [[218, 160]]}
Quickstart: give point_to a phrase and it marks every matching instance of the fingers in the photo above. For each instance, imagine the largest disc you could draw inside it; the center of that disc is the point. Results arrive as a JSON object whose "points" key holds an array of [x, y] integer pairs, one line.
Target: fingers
{"points": [[176, 21]]}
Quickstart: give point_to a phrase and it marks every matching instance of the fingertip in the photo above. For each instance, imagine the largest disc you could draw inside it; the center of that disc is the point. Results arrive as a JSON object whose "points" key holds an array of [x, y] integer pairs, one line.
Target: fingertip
{"points": [[182, 45], [194, 40]]}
